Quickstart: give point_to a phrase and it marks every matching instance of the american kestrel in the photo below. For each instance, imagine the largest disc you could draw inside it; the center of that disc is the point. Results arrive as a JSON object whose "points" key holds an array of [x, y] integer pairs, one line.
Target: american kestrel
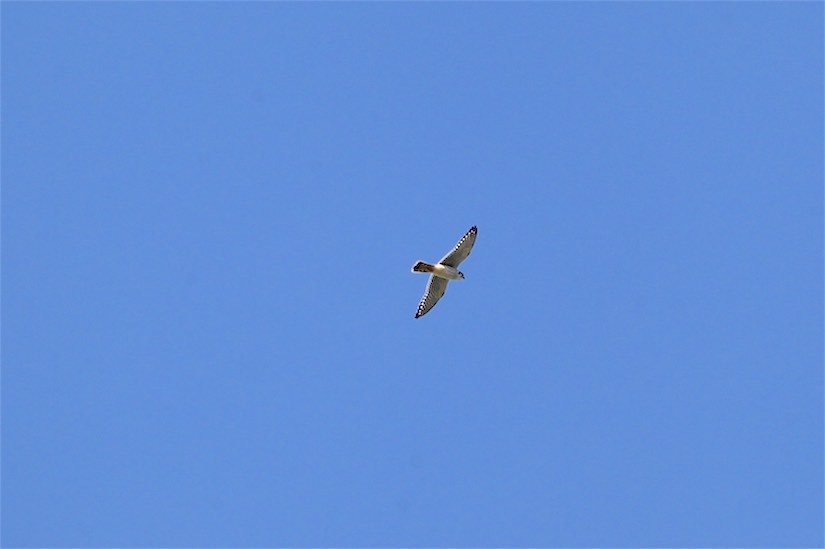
{"points": [[444, 271]]}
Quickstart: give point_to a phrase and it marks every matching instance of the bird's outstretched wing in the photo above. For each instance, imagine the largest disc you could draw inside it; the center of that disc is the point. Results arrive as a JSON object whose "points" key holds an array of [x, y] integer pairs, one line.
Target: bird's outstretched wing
{"points": [[461, 250], [435, 289]]}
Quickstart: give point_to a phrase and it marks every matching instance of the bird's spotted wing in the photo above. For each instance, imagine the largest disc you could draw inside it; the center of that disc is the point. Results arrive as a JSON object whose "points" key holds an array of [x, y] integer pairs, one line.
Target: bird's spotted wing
{"points": [[461, 250], [435, 289]]}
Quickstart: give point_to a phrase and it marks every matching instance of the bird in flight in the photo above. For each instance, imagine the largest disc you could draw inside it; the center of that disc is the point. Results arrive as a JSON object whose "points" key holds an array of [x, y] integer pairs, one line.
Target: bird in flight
{"points": [[443, 271]]}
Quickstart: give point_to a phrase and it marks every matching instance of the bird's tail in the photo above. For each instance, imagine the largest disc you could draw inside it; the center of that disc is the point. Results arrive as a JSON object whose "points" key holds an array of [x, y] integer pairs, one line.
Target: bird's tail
{"points": [[421, 267]]}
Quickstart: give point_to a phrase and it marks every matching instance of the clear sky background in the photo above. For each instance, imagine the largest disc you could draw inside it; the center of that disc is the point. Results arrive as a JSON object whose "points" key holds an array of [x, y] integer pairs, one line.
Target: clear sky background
{"points": [[209, 215]]}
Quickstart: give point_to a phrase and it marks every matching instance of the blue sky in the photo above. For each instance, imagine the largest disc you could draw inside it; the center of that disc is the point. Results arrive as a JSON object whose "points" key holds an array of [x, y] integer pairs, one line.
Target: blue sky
{"points": [[209, 214]]}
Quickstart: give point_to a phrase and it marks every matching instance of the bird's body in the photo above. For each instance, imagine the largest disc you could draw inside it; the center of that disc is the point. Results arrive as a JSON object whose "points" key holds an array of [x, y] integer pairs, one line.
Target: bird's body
{"points": [[439, 270], [443, 271]]}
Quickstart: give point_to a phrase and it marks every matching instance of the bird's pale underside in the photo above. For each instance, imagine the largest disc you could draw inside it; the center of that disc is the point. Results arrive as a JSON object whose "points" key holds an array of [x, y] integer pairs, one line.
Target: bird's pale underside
{"points": [[443, 271]]}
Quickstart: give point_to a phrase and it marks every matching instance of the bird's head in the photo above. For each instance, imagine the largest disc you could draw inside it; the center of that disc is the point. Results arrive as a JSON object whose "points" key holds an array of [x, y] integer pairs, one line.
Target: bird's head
{"points": [[461, 274]]}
